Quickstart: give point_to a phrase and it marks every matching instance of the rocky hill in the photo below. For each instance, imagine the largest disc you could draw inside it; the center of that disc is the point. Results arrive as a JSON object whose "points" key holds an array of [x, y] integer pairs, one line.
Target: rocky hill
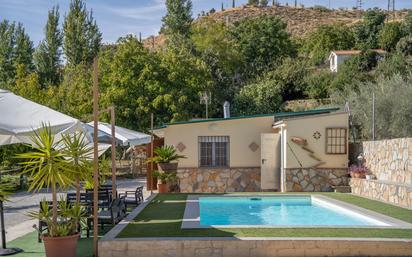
{"points": [[300, 21]]}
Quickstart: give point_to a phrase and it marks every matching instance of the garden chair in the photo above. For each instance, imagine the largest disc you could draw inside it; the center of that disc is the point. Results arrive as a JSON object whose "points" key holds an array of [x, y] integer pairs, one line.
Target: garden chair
{"points": [[133, 197], [113, 215]]}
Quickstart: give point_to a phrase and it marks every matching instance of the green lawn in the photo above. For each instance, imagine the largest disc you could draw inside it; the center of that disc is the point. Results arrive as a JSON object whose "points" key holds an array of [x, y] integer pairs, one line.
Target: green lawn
{"points": [[163, 218]]}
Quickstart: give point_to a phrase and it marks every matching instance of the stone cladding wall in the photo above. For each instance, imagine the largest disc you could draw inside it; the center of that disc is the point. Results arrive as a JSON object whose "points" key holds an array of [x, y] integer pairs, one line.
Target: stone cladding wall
{"points": [[219, 180], [315, 180]]}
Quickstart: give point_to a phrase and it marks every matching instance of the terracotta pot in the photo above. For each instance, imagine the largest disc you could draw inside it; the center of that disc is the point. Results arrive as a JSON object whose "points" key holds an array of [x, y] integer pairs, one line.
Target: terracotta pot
{"points": [[357, 175], [163, 188], [167, 167], [65, 246]]}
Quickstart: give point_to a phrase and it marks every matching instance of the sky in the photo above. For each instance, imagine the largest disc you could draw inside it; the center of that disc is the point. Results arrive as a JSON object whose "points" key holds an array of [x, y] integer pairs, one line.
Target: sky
{"points": [[117, 18]]}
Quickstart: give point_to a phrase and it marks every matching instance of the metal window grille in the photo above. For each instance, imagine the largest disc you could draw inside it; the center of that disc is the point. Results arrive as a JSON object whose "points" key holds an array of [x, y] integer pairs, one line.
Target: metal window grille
{"points": [[336, 140], [214, 151]]}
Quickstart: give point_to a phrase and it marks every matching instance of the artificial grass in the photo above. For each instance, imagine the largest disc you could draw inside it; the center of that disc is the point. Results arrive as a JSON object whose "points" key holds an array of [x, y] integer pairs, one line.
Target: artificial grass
{"points": [[163, 218], [32, 248]]}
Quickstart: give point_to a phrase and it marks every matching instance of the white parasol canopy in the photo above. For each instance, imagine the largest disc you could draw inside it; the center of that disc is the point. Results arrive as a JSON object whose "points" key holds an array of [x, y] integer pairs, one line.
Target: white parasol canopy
{"points": [[124, 136], [19, 117]]}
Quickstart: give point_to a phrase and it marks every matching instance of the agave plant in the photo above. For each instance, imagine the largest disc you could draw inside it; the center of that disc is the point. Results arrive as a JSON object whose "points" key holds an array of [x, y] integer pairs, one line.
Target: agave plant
{"points": [[77, 152], [47, 166], [165, 154]]}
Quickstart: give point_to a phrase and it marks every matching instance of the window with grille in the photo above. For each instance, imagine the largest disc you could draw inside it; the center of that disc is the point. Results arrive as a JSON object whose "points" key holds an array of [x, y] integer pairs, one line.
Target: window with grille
{"points": [[336, 140], [214, 151]]}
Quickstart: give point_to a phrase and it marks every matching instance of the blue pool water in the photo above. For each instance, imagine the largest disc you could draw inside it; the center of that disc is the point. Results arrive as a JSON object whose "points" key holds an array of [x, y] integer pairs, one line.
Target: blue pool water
{"points": [[276, 211]]}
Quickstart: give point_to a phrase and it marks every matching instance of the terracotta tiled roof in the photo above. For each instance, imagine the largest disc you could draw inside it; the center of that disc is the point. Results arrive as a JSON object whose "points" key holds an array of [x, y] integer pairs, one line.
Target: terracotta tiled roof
{"points": [[352, 52]]}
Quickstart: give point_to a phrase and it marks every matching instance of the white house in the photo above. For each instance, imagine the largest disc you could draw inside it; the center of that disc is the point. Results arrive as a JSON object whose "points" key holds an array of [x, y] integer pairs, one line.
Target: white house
{"points": [[336, 58]]}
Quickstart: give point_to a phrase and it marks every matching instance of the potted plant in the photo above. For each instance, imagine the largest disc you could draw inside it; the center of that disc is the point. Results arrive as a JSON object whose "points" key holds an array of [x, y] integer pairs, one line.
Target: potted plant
{"points": [[164, 178], [165, 158], [48, 167], [358, 171]]}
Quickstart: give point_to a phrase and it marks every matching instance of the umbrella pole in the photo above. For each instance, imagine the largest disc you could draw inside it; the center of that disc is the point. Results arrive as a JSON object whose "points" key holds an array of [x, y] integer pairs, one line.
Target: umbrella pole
{"points": [[95, 156], [112, 121], [4, 250], [151, 154]]}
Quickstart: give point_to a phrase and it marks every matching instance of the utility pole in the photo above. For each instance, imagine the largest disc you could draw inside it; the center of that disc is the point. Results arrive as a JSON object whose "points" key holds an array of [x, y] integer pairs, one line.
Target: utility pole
{"points": [[359, 4], [296, 3], [391, 8], [233, 3]]}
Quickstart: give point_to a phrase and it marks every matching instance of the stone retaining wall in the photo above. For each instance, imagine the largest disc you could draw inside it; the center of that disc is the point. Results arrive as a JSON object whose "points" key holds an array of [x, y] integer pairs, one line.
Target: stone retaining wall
{"points": [[219, 180], [398, 194], [315, 180], [238, 247], [390, 160]]}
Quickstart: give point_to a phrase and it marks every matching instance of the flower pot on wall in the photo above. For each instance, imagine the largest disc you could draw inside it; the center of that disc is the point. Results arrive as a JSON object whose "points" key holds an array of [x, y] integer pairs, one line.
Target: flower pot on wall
{"points": [[163, 188], [167, 167], [357, 175], [65, 246]]}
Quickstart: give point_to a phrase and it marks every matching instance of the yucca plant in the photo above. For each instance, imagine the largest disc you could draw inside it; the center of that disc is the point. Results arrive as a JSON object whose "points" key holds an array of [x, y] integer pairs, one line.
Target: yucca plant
{"points": [[165, 154], [78, 153], [70, 216], [47, 166]]}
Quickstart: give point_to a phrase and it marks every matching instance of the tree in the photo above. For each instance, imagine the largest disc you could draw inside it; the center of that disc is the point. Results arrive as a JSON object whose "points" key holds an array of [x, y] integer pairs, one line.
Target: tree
{"points": [[253, 2], [82, 37], [262, 41], [28, 85], [393, 64], [390, 35], [257, 98], [404, 45], [47, 57], [74, 95], [407, 24], [178, 18], [393, 108], [219, 51], [289, 76], [366, 33], [318, 84], [23, 50], [7, 42], [326, 38], [263, 3]]}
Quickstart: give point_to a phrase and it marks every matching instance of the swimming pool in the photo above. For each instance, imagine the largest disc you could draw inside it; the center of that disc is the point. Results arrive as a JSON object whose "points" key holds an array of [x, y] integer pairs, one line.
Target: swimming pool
{"points": [[289, 211]]}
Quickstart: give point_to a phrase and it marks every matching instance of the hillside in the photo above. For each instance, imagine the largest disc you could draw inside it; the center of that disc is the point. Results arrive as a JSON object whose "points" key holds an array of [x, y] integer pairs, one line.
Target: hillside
{"points": [[300, 21]]}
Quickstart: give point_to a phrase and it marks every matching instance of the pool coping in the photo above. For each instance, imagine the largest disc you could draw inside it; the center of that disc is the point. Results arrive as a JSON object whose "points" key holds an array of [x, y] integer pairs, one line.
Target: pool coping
{"points": [[191, 217]]}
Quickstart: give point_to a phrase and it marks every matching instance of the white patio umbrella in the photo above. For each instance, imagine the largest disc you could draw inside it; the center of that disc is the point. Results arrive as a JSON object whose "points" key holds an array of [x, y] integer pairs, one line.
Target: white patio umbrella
{"points": [[124, 136], [19, 118]]}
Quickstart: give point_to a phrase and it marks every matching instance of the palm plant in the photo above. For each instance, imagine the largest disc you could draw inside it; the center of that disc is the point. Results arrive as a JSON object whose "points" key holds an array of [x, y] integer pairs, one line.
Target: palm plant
{"points": [[165, 154], [77, 152], [46, 165]]}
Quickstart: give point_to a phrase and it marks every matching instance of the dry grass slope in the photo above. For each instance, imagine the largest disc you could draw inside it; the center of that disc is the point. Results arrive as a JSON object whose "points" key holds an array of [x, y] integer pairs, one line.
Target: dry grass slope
{"points": [[300, 21]]}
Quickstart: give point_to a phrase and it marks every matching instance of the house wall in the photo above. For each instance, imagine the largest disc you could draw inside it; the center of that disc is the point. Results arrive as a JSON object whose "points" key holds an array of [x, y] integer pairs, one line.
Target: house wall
{"points": [[242, 133], [336, 60], [305, 127]]}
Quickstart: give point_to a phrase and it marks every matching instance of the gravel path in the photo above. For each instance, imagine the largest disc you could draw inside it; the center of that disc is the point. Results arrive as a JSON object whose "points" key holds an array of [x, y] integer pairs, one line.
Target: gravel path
{"points": [[15, 211]]}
